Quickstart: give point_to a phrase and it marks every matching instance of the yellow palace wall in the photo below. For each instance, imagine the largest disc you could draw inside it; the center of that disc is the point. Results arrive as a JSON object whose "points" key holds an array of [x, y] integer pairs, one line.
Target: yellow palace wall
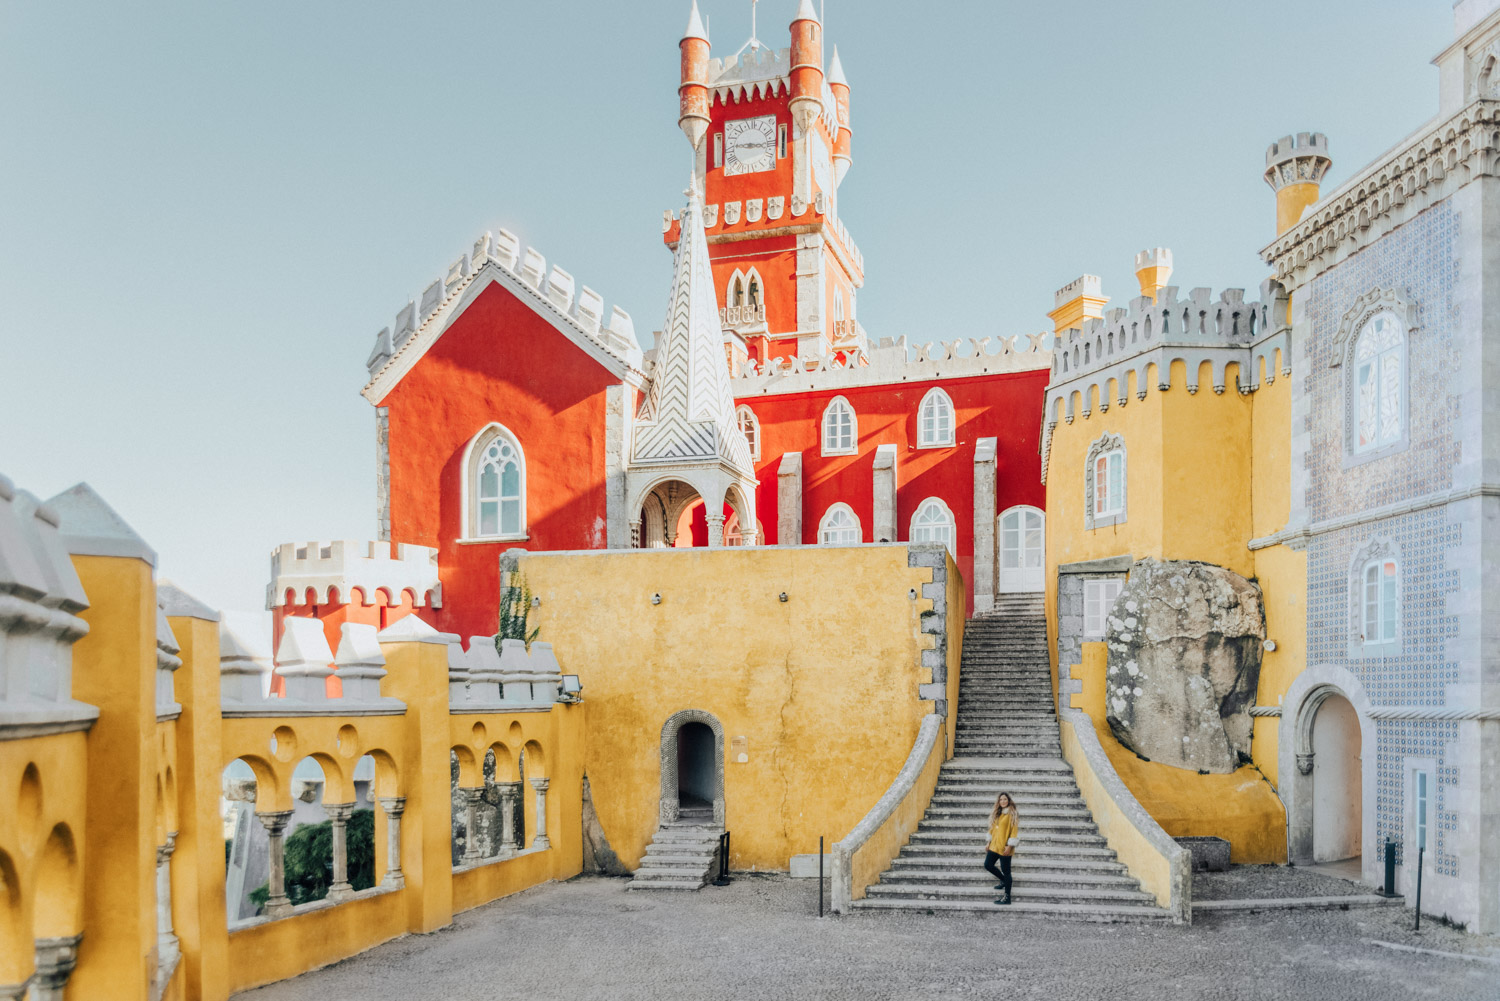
{"points": [[1205, 474], [822, 687]]}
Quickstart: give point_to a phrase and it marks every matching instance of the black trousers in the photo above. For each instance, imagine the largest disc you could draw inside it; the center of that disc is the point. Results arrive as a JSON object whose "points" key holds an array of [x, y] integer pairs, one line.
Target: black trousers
{"points": [[1002, 873]]}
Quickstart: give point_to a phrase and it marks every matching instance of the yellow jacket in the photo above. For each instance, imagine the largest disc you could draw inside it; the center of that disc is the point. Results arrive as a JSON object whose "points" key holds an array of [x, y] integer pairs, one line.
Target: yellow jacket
{"points": [[1002, 830]]}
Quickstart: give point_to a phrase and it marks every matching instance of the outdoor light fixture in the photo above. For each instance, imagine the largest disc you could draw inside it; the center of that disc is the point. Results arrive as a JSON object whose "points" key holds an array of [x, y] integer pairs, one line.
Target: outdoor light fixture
{"points": [[536, 601], [912, 594], [1270, 646], [656, 599], [783, 596]]}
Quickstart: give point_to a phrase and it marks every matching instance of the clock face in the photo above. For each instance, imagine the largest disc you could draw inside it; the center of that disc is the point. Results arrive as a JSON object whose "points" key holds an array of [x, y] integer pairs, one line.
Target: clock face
{"points": [[750, 145]]}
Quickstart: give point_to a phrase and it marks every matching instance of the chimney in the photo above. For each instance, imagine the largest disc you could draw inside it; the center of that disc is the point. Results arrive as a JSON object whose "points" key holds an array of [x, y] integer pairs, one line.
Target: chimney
{"points": [[1079, 300], [1295, 169], [1152, 269]]}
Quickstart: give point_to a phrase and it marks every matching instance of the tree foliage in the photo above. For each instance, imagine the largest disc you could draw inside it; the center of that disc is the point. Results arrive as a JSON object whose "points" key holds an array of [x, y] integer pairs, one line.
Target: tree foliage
{"points": [[308, 858], [515, 606]]}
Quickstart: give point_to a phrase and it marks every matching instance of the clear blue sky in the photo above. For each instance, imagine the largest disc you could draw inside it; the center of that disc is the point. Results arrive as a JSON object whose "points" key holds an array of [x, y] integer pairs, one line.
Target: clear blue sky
{"points": [[207, 210]]}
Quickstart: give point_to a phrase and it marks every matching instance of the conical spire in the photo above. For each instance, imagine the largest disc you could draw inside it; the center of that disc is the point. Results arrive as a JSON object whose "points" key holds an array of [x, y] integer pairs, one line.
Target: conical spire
{"points": [[806, 13], [695, 25], [836, 70]]}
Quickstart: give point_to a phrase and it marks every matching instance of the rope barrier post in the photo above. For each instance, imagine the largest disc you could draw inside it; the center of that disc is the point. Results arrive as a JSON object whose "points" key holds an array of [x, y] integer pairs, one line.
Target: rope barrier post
{"points": [[820, 875]]}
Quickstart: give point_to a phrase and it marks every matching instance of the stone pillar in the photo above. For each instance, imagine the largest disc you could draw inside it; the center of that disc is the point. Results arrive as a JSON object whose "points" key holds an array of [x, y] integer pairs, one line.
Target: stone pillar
{"points": [[715, 529], [394, 806], [471, 826], [277, 903], [984, 525], [884, 528], [15, 992], [55, 959], [789, 500], [167, 948], [540, 785], [338, 819], [508, 793]]}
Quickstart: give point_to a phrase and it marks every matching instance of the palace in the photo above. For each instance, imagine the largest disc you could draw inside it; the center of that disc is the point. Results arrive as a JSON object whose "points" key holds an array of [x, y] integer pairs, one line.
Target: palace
{"points": [[1202, 574]]}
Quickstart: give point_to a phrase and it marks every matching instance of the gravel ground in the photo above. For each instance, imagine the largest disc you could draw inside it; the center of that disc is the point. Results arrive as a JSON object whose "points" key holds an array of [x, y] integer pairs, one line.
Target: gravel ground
{"points": [[761, 938], [1262, 882]]}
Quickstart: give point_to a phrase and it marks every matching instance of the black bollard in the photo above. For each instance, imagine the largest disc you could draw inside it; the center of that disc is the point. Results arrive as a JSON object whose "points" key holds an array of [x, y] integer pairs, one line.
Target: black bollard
{"points": [[1420, 852], [1390, 868], [820, 875]]}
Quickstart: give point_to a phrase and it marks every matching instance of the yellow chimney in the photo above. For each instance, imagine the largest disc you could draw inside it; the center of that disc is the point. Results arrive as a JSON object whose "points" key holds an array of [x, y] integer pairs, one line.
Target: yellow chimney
{"points": [[1079, 300], [1152, 269]]}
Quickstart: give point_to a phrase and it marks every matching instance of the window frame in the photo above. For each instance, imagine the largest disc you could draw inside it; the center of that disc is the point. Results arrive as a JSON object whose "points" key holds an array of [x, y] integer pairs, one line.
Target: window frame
{"points": [[1371, 557], [1105, 447], [840, 507], [1356, 324], [952, 524], [853, 446], [472, 504], [1100, 583], [740, 412], [937, 397]]}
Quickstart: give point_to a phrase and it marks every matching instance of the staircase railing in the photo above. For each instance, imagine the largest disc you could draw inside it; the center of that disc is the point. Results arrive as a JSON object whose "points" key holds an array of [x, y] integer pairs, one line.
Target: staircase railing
{"points": [[867, 850]]}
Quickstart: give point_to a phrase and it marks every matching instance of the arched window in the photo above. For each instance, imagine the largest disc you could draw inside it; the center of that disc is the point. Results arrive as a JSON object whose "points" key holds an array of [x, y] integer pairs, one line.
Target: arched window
{"points": [[840, 430], [753, 290], [750, 427], [935, 420], [1379, 382], [495, 494], [1379, 597], [839, 526], [735, 290], [934, 522], [838, 314], [1022, 549], [1375, 600], [1104, 482]]}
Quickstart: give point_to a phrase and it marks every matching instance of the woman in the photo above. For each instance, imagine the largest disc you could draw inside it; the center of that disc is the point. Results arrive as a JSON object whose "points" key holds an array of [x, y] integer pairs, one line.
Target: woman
{"points": [[1005, 827]]}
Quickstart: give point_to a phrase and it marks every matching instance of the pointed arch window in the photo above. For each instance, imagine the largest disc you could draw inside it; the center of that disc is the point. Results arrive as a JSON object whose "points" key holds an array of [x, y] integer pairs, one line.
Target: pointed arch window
{"points": [[934, 522], [750, 427], [935, 420], [840, 428], [495, 492], [1372, 345], [839, 527], [1375, 600]]}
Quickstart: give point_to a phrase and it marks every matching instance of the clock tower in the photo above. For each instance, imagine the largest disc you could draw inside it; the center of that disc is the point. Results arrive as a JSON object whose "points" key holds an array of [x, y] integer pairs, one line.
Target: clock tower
{"points": [[770, 132]]}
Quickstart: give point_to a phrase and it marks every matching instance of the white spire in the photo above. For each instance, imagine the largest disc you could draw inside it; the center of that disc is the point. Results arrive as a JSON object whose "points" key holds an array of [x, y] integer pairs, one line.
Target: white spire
{"points": [[806, 13], [695, 25], [836, 69]]}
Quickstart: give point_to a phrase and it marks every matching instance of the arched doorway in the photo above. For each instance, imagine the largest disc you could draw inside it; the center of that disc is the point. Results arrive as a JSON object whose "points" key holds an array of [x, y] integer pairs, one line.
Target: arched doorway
{"points": [[1022, 550], [692, 769], [1337, 775]]}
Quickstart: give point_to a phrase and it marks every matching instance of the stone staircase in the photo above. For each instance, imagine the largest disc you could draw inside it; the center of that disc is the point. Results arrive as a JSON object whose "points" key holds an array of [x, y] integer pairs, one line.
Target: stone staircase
{"points": [[1007, 741], [681, 856]]}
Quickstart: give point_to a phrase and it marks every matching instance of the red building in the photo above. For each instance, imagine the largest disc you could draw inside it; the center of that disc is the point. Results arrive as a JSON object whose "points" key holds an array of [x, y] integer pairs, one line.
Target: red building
{"points": [[513, 411]]}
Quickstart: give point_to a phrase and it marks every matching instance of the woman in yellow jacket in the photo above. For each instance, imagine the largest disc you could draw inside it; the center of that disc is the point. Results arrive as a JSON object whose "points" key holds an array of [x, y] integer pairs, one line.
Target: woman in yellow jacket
{"points": [[1005, 828]]}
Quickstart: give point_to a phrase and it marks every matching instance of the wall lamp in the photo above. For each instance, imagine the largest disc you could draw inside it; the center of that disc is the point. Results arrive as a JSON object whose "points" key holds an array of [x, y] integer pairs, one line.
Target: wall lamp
{"points": [[782, 596], [656, 599]]}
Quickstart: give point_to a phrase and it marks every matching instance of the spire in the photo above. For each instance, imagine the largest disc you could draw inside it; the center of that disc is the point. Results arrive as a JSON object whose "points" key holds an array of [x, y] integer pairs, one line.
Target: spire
{"points": [[689, 412], [806, 13], [836, 70], [695, 25]]}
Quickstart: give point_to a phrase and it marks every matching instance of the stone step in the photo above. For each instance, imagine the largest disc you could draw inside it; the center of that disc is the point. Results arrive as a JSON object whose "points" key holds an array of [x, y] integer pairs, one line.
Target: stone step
{"points": [[1020, 891], [1030, 910], [963, 798], [965, 851], [980, 878], [967, 839], [979, 811], [1012, 763], [1030, 862]]}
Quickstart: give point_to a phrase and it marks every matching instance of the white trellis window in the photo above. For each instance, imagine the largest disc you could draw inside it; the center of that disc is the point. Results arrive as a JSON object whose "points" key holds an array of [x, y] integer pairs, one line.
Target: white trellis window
{"points": [[934, 522], [496, 494], [750, 427], [1109, 483], [935, 420], [1099, 596], [1381, 577], [1379, 382], [840, 430], [839, 527]]}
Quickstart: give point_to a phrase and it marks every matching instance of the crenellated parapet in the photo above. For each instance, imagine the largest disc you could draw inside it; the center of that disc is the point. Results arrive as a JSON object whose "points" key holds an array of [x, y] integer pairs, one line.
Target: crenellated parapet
{"points": [[40, 601], [1095, 363], [367, 567], [491, 676], [575, 309], [893, 360]]}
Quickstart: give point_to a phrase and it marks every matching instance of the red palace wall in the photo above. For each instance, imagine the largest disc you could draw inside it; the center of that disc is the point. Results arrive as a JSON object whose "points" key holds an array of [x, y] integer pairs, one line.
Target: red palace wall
{"points": [[1003, 407], [498, 361]]}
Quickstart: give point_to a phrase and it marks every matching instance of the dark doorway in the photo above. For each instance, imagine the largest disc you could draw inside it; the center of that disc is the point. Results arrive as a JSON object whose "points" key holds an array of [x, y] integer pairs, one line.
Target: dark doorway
{"points": [[697, 787]]}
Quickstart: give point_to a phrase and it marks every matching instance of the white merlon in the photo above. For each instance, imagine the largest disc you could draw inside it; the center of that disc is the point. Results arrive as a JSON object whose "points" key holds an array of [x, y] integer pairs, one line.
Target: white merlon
{"points": [[411, 629], [1156, 257], [893, 361], [1083, 285], [304, 660], [752, 75], [348, 565], [359, 662], [245, 659], [167, 663], [499, 250]]}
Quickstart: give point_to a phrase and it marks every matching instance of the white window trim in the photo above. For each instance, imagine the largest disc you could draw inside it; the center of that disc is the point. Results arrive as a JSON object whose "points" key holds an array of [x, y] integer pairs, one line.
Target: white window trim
{"points": [[853, 429], [755, 422], [828, 515], [936, 393], [1345, 344], [952, 542], [1103, 445], [1377, 550], [1098, 582], [470, 485], [1020, 511]]}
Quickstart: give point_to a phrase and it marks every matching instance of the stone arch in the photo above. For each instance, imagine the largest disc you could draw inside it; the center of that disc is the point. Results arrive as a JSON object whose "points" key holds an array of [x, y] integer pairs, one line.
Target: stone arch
{"points": [[15, 937], [505, 762], [670, 805], [536, 760], [468, 767], [1296, 760]]}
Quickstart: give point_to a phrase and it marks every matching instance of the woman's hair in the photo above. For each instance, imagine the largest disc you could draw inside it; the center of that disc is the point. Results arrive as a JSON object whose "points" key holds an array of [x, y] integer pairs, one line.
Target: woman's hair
{"points": [[1010, 807]]}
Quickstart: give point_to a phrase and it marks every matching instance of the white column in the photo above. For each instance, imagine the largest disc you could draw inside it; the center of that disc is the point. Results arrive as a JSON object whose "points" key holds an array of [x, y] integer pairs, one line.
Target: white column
{"points": [[540, 785], [789, 500], [394, 806], [715, 530], [167, 948], [277, 903], [885, 527], [471, 853], [338, 819], [984, 571], [508, 793]]}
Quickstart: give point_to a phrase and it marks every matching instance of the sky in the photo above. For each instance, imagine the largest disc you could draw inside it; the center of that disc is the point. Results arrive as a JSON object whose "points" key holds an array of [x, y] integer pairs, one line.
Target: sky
{"points": [[207, 210]]}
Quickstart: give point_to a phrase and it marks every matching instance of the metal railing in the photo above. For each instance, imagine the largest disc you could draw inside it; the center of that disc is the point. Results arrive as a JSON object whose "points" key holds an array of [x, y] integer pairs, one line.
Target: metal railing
{"points": [[723, 878]]}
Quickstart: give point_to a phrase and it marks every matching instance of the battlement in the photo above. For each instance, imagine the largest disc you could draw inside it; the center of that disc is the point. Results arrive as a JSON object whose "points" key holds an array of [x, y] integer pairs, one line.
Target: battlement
{"points": [[554, 290], [892, 360], [1084, 286], [347, 565], [1155, 257], [1302, 159], [754, 73], [490, 674]]}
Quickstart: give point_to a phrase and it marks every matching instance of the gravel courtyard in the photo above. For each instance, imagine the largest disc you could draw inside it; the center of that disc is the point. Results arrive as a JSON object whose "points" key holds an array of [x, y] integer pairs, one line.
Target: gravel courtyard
{"points": [[761, 938]]}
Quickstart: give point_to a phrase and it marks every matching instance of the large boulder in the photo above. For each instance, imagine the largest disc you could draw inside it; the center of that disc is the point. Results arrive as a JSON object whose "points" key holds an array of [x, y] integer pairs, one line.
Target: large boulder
{"points": [[1185, 643]]}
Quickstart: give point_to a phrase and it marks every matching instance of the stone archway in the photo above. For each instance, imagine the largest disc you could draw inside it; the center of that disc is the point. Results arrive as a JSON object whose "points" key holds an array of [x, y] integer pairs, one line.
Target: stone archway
{"points": [[1329, 795], [705, 777]]}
